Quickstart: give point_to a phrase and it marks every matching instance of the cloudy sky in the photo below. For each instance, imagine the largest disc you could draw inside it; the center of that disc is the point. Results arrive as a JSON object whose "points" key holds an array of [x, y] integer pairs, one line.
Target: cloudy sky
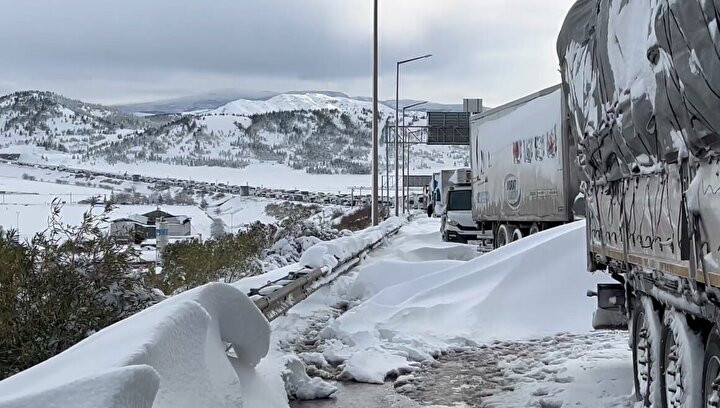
{"points": [[143, 50]]}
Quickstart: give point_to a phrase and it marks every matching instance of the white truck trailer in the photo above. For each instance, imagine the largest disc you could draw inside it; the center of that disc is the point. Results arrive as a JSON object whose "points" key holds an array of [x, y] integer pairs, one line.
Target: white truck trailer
{"points": [[523, 177]]}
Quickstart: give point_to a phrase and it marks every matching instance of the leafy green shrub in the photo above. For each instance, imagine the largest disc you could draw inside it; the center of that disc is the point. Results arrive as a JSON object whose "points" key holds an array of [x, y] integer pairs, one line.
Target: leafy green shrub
{"points": [[225, 258], [63, 285]]}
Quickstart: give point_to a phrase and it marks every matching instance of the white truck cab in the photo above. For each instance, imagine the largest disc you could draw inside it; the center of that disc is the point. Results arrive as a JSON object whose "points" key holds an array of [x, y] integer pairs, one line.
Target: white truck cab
{"points": [[457, 222]]}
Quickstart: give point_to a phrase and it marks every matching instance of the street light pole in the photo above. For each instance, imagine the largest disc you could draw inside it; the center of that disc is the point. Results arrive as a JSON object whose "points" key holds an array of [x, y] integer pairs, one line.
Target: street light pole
{"points": [[386, 134], [397, 156], [397, 113], [406, 164], [375, 124], [407, 189]]}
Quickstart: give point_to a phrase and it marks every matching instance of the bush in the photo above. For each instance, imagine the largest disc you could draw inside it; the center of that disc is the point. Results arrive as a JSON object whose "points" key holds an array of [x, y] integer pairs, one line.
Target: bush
{"points": [[226, 258], [65, 284], [359, 219], [292, 217]]}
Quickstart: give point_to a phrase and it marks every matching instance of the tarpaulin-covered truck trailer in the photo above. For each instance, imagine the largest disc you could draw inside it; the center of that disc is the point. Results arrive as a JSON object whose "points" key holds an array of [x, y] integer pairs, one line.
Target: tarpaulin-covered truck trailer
{"points": [[641, 84], [523, 175]]}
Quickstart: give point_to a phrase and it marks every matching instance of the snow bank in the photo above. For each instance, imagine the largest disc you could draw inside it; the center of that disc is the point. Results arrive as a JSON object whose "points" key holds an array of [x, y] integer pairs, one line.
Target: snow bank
{"points": [[170, 355], [326, 254], [381, 275], [519, 291], [329, 254]]}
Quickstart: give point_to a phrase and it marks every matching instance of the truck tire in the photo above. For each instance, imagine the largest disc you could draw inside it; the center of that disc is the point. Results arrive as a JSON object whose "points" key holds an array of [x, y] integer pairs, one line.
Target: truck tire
{"points": [[711, 370], [682, 352], [646, 332], [534, 229], [504, 235], [517, 234]]}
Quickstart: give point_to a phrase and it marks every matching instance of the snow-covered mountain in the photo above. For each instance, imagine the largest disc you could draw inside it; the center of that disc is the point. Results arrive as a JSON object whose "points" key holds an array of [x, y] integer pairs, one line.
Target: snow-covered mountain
{"points": [[50, 120], [204, 101], [320, 133], [298, 101], [217, 99]]}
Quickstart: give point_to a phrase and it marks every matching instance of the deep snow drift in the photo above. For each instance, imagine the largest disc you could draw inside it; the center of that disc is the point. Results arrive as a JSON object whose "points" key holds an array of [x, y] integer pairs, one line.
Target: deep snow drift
{"points": [[413, 298], [207, 347], [531, 288], [509, 328], [170, 355]]}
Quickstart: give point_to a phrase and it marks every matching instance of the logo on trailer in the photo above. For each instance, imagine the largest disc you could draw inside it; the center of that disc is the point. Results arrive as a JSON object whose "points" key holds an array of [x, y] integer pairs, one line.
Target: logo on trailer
{"points": [[512, 191]]}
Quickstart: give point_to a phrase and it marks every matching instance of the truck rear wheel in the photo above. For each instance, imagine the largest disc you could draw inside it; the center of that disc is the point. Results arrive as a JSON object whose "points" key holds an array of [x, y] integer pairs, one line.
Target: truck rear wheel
{"points": [[682, 351], [517, 235], [504, 235], [646, 332], [711, 370], [534, 229]]}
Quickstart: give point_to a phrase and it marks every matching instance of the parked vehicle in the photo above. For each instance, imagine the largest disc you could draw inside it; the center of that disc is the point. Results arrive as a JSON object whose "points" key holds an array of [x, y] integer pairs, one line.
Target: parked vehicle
{"points": [[457, 222], [523, 176], [440, 186], [644, 108]]}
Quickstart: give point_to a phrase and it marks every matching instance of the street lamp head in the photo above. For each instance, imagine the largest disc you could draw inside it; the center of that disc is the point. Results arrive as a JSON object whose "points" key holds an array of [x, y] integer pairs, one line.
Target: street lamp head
{"points": [[414, 105], [414, 59]]}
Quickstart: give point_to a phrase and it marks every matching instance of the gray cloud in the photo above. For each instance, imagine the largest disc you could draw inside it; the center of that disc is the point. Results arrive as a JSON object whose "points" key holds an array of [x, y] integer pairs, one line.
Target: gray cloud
{"points": [[144, 49]]}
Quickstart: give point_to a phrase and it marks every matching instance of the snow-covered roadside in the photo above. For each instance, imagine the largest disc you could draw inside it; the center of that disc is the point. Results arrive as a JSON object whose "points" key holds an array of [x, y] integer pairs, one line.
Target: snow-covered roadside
{"points": [[412, 314], [170, 355], [417, 308], [176, 352]]}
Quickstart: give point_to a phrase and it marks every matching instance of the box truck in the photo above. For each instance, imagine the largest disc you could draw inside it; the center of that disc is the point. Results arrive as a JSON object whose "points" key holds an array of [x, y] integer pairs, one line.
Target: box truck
{"points": [[523, 177]]}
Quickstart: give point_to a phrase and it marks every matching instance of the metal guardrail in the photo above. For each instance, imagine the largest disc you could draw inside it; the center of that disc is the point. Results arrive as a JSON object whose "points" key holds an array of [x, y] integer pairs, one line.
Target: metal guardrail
{"points": [[297, 286]]}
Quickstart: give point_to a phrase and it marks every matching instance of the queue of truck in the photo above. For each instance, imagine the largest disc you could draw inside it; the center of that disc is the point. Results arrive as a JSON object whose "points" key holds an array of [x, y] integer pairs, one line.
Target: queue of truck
{"points": [[522, 178], [630, 141]]}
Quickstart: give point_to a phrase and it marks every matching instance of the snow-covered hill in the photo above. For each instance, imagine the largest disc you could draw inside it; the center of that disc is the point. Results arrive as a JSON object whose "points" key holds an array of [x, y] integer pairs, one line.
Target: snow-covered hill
{"points": [[320, 133], [50, 120], [293, 102], [216, 99]]}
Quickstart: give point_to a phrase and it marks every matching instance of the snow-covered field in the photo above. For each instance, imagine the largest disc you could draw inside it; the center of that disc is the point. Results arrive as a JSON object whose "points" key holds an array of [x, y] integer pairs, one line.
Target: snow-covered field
{"points": [[425, 161], [26, 204]]}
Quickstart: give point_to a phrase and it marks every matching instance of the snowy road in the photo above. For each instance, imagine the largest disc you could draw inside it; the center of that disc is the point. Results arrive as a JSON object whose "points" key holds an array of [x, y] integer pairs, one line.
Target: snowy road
{"points": [[463, 360]]}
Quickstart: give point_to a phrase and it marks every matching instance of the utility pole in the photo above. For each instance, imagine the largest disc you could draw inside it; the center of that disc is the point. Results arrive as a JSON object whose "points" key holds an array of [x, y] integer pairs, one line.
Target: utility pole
{"points": [[375, 124], [397, 114], [397, 157], [352, 193], [404, 180], [406, 145], [386, 132]]}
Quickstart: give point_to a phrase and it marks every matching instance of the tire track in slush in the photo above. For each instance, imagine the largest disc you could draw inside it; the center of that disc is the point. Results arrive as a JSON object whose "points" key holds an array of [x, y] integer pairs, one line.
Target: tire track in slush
{"points": [[499, 374]]}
